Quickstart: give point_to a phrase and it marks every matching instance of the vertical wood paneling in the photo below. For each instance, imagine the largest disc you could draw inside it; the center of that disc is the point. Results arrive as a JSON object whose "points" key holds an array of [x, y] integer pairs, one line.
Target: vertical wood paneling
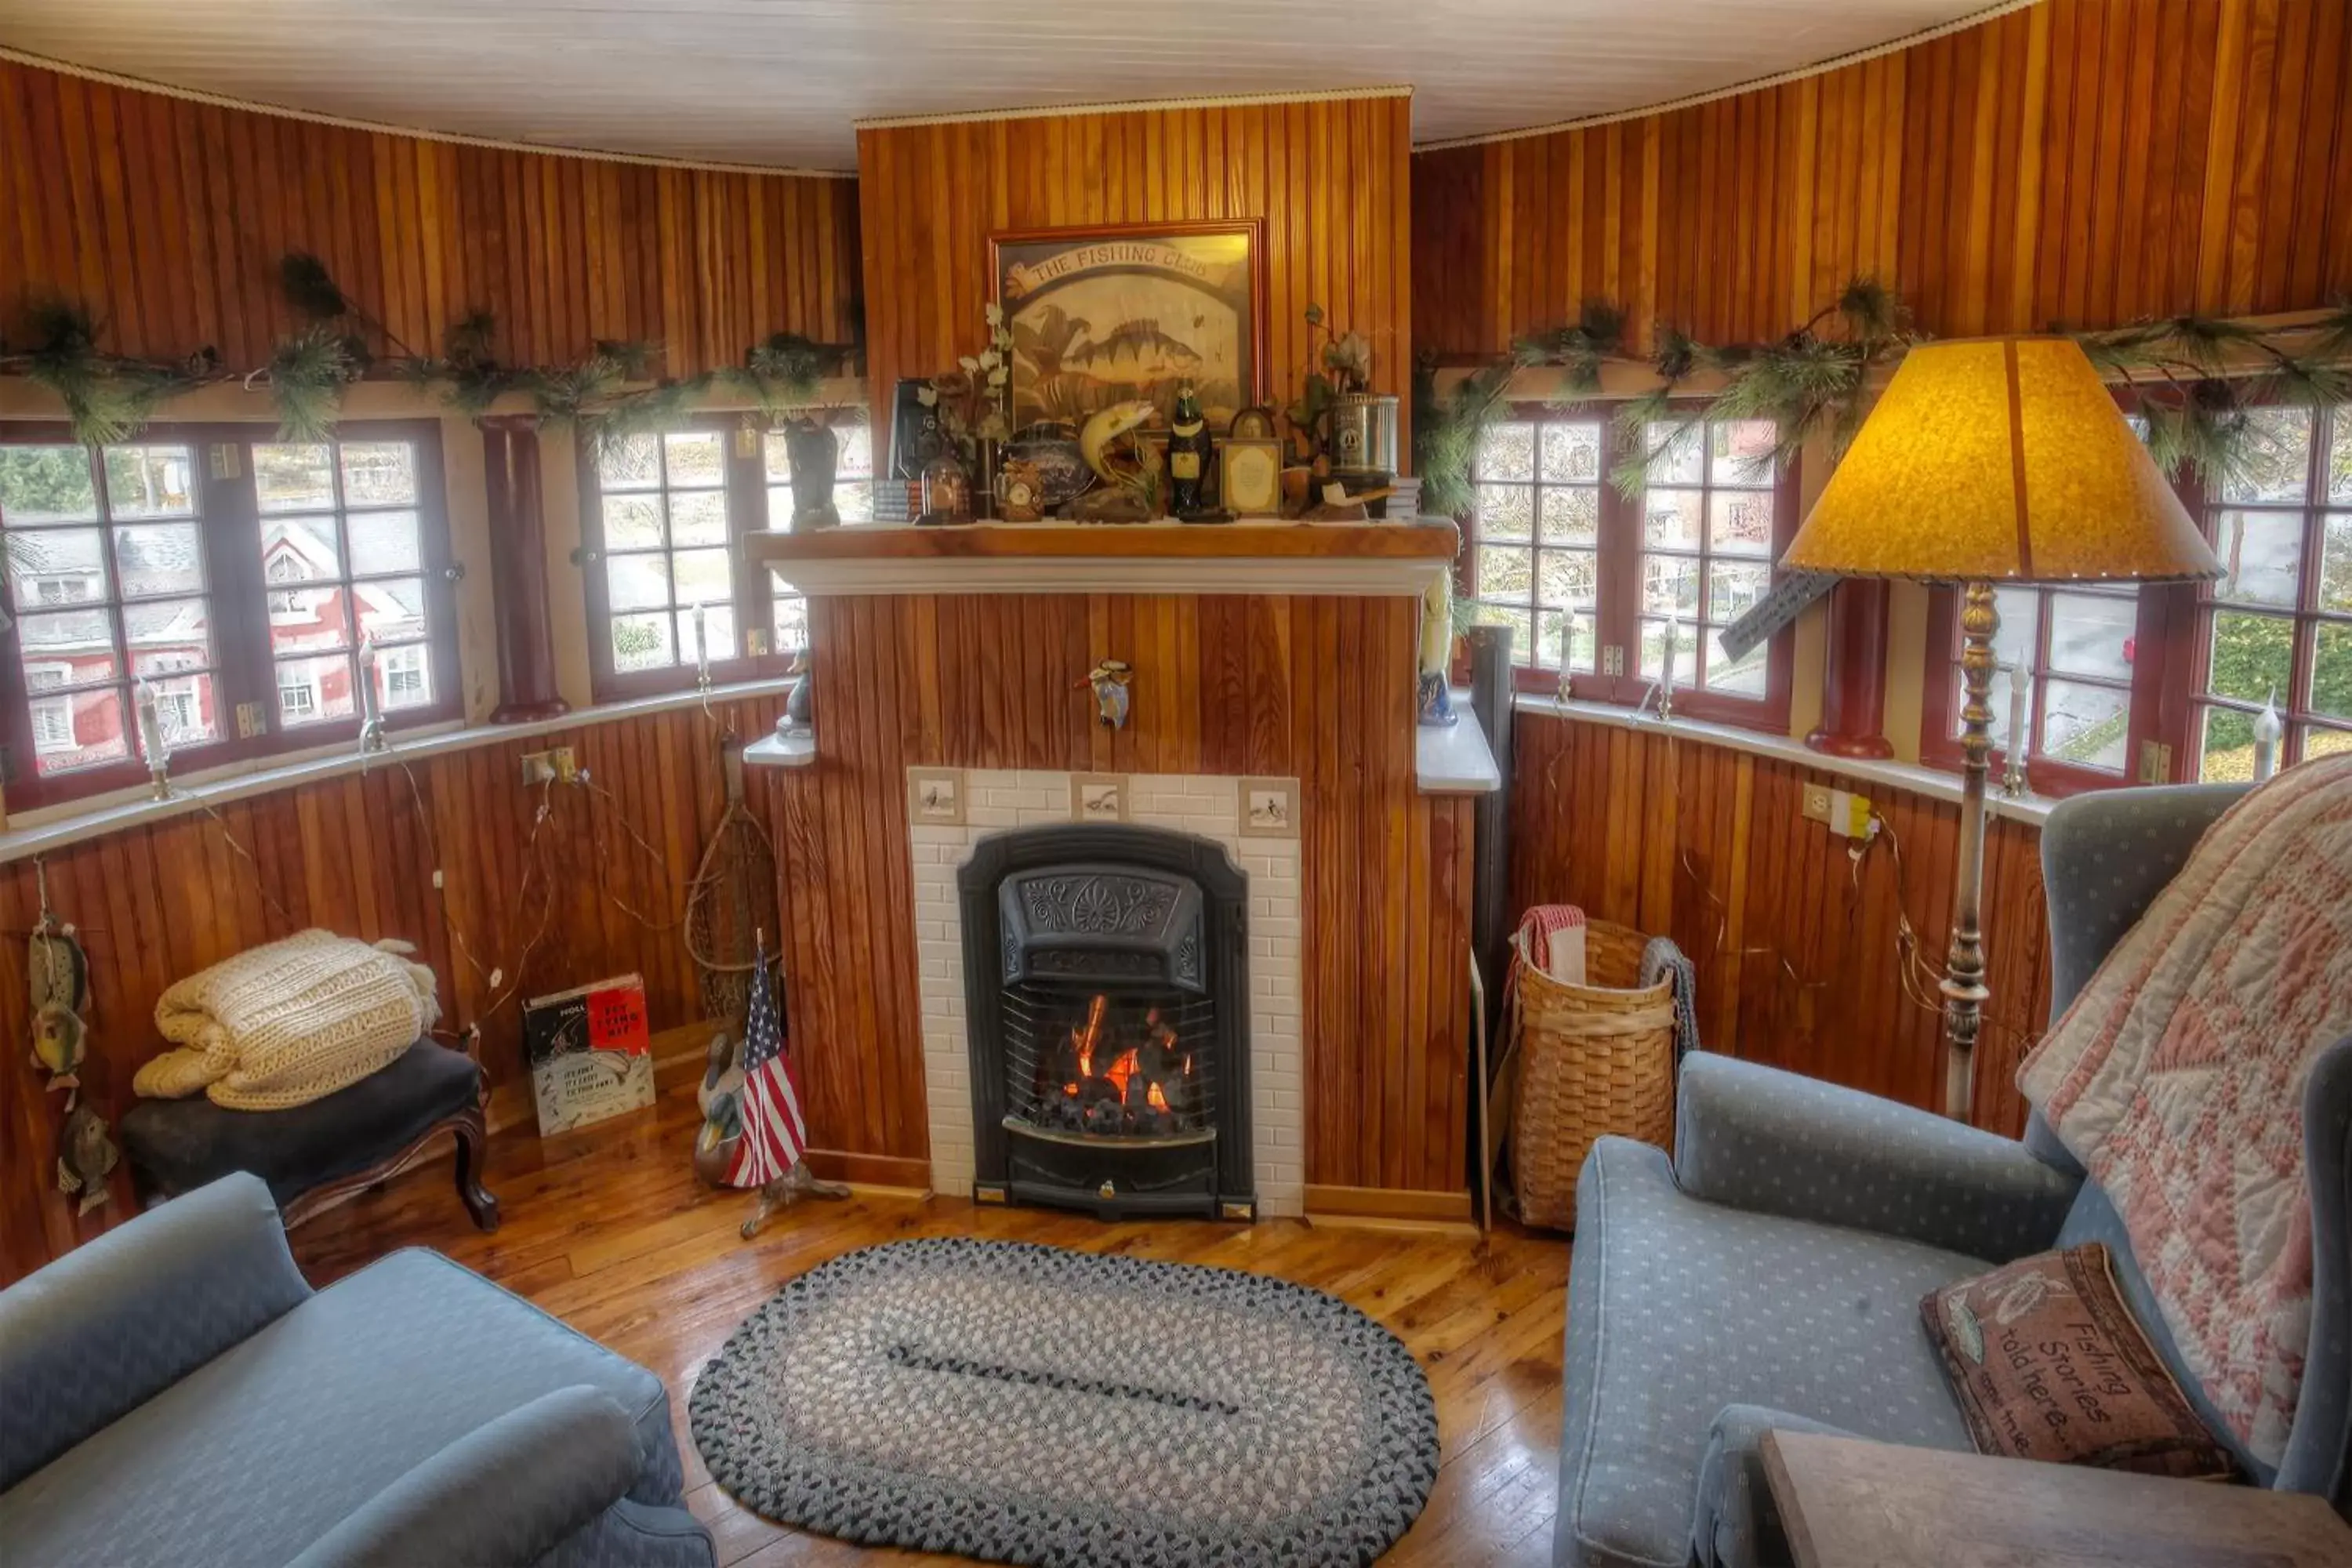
{"points": [[1329, 180], [166, 219], [1795, 947], [1314, 689], [356, 855], [2082, 162]]}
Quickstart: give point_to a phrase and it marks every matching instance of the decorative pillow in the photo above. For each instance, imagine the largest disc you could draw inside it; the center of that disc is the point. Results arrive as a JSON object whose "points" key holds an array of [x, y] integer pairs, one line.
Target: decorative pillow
{"points": [[2047, 1364]]}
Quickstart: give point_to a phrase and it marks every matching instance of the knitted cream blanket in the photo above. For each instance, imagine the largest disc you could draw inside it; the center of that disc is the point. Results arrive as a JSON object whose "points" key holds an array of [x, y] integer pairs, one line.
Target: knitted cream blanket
{"points": [[289, 1022], [2176, 1079]]}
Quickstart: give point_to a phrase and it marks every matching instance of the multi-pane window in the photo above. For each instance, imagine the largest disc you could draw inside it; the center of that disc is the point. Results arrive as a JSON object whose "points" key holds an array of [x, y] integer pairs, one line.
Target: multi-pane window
{"points": [[107, 572], [233, 578], [343, 556], [1708, 519], [2277, 627], [2088, 678], [1582, 572], [666, 554]]}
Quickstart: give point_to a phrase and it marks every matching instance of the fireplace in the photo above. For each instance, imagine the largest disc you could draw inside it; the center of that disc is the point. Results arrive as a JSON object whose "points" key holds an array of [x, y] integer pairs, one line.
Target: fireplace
{"points": [[1106, 989]]}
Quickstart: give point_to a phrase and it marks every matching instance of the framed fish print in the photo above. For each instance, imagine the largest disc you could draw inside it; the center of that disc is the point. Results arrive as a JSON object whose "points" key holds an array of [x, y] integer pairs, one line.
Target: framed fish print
{"points": [[1104, 316]]}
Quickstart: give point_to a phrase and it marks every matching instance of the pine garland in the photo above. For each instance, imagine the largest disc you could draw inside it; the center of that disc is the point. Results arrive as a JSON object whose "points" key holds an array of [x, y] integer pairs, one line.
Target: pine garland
{"points": [[109, 397], [2197, 381]]}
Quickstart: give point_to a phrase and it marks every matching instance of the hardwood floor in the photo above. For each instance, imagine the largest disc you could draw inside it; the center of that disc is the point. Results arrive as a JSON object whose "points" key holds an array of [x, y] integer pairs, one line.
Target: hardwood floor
{"points": [[607, 1229]]}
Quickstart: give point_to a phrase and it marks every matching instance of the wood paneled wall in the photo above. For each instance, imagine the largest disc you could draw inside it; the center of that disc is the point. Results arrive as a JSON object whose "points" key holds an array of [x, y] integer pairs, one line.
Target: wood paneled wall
{"points": [[1329, 179], [1794, 943], [2081, 163], [167, 218], [356, 855], [1319, 688]]}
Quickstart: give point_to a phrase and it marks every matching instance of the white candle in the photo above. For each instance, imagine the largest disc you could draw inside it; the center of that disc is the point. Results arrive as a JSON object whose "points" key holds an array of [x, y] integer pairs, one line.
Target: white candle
{"points": [[2021, 690], [150, 728], [2267, 732], [370, 702], [1666, 666], [701, 654]]}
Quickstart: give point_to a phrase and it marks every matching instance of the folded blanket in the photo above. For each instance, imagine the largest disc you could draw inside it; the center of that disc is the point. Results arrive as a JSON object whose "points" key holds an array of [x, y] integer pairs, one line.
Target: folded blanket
{"points": [[289, 1022], [2177, 1079]]}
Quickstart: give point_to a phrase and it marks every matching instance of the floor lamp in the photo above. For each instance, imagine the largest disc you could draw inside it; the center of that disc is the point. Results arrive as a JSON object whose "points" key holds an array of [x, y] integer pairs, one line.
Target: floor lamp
{"points": [[1985, 461]]}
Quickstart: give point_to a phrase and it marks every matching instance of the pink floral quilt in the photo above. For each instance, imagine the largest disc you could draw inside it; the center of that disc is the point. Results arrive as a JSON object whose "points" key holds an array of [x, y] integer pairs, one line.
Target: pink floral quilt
{"points": [[2176, 1079]]}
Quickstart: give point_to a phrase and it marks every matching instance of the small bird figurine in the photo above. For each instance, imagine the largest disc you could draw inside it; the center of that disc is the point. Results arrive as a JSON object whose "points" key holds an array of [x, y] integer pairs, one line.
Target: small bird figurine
{"points": [[1109, 681], [722, 1116], [86, 1158]]}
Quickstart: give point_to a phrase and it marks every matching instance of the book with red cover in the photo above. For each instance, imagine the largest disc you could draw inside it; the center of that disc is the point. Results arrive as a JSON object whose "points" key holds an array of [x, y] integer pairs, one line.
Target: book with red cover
{"points": [[591, 1053]]}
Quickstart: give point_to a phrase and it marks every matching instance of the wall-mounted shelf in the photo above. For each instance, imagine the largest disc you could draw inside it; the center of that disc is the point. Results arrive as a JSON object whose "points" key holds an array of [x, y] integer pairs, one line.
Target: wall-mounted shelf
{"points": [[1391, 558], [774, 751]]}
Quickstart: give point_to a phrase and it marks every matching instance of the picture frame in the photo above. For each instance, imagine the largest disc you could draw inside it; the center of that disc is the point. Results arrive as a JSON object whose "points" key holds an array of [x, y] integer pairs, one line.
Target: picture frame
{"points": [[1269, 808], [1098, 797], [935, 797], [1101, 315], [1249, 476]]}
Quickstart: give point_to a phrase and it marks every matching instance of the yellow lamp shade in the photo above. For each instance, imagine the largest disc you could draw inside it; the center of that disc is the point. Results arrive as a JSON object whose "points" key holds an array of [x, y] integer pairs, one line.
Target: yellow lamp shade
{"points": [[1998, 461]]}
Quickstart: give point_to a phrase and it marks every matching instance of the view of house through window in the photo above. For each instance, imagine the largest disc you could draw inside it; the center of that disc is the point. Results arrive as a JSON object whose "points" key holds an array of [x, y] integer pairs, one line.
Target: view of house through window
{"points": [[234, 578], [1577, 569], [107, 572]]}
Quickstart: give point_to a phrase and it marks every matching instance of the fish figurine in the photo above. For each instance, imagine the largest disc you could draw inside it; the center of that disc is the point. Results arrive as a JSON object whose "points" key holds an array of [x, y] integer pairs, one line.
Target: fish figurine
{"points": [[1109, 679], [1109, 425], [86, 1158], [60, 1040]]}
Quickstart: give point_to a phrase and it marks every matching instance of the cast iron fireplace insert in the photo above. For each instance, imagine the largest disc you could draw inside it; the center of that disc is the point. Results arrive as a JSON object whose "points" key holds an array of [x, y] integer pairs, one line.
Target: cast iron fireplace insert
{"points": [[1107, 989]]}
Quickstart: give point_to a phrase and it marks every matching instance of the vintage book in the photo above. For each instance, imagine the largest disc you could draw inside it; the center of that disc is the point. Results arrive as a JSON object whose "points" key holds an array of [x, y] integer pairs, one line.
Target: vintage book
{"points": [[591, 1053]]}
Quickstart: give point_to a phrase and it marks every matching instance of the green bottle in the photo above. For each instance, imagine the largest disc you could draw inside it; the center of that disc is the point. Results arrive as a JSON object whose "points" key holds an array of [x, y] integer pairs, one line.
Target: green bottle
{"points": [[1188, 447]]}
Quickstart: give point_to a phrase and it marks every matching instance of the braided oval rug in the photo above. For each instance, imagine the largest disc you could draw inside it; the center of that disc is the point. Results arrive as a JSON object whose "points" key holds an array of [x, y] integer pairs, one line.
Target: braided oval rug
{"points": [[1026, 1403]]}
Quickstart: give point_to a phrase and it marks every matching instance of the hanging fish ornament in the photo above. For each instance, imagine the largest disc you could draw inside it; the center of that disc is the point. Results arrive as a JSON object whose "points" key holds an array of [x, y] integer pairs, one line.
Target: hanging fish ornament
{"points": [[86, 1157], [59, 973], [59, 1043]]}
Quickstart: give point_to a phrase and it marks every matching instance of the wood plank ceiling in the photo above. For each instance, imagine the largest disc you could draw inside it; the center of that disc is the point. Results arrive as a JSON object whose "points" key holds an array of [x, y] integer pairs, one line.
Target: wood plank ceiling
{"points": [[779, 82]]}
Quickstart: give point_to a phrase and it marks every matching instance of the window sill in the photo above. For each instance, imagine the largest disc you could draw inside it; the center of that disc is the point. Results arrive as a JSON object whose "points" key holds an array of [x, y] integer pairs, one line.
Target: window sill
{"points": [[55, 827], [2030, 810]]}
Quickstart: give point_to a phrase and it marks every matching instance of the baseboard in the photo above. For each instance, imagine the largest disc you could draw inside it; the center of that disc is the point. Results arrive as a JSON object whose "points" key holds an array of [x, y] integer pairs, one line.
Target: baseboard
{"points": [[1387, 1204], [876, 1170]]}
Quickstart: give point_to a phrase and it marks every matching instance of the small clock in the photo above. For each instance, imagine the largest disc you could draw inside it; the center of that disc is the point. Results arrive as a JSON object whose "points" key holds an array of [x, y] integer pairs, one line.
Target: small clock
{"points": [[1020, 491], [1250, 471]]}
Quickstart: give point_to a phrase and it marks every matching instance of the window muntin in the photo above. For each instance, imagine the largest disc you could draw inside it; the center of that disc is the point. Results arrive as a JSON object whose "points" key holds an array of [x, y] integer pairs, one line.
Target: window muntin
{"points": [[2277, 625], [667, 550], [177, 594], [343, 554], [107, 572], [1557, 552]]}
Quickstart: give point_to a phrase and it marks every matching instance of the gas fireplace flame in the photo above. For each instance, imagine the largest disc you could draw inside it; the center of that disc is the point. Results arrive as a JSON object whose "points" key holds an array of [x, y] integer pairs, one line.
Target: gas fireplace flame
{"points": [[1123, 1076]]}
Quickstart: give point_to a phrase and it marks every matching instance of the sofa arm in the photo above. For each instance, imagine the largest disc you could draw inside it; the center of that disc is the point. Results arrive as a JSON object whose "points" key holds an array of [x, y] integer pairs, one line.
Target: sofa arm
{"points": [[1755, 1138], [499, 1497], [111, 1324], [1736, 1522], [2105, 856]]}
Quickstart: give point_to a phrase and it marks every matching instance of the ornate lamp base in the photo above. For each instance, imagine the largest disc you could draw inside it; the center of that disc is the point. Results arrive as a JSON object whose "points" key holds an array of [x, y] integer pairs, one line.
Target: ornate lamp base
{"points": [[1964, 968]]}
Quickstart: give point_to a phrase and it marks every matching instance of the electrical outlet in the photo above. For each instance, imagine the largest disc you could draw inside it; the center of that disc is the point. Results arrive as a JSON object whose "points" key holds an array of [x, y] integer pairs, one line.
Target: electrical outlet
{"points": [[1843, 812], [556, 765]]}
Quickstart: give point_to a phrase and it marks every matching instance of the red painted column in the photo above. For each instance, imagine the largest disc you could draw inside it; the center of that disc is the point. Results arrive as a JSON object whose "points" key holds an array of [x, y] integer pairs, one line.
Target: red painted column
{"points": [[1853, 675], [518, 571]]}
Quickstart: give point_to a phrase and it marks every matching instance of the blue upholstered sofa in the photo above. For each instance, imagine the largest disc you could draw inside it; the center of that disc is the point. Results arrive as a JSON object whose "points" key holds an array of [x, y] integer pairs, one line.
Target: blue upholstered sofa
{"points": [[174, 1393], [1770, 1276]]}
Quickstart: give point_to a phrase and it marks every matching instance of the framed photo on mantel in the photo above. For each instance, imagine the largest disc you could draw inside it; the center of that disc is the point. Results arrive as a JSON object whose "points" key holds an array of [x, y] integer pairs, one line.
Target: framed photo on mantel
{"points": [[1101, 316]]}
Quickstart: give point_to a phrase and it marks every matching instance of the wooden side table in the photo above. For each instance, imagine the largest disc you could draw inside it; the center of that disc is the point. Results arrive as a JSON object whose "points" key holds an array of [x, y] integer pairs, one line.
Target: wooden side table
{"points": [[1847, 1503]]}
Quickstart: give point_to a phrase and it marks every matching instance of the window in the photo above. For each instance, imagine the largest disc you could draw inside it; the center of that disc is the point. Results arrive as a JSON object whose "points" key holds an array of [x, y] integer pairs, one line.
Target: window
{"points": [[1582, 572], [853, 498], [663, 517], [2277, 627], [138, 564], [341, 519]]}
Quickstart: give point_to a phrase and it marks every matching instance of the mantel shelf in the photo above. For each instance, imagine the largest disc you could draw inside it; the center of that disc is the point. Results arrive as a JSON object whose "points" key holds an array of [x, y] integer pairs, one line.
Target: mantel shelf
{"points": [[1165, 557]]}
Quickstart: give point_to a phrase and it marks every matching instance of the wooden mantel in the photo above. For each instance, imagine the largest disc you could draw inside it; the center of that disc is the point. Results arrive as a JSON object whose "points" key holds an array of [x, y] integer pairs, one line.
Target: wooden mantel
{"points": [[1166, 557]]}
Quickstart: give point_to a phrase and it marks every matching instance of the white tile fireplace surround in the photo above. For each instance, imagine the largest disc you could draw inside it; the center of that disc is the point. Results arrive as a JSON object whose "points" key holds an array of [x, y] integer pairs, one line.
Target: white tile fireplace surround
{"points": [[1206, 807]]}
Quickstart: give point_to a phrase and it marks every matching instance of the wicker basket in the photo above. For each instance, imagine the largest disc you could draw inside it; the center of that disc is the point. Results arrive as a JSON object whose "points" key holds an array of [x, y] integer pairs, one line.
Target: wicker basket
{"points": [[1593, 1059]]}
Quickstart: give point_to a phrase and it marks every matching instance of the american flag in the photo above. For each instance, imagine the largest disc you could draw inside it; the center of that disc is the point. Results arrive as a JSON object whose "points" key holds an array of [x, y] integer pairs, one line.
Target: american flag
{"points": [[774, 1133]]}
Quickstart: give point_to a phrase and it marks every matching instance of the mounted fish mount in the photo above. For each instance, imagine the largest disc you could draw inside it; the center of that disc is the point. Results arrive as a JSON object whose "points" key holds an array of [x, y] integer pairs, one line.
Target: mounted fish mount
{"points": [[1112, 444], [57, 971], [1109, 679]]}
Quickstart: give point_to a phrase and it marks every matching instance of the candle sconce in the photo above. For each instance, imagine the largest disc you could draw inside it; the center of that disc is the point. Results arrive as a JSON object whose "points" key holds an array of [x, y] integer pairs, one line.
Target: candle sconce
{"points": [[371, 702], [2021, 698], [151, 742]]}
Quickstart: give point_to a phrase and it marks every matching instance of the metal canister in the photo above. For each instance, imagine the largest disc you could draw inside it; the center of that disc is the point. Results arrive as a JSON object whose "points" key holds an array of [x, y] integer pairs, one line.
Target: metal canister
{"points": [[1364, 431]]}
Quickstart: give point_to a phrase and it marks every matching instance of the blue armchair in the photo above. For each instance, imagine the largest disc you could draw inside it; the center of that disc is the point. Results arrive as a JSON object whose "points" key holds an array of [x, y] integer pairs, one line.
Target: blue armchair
{"points": [[1769, 1275], [174, 1393]]}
